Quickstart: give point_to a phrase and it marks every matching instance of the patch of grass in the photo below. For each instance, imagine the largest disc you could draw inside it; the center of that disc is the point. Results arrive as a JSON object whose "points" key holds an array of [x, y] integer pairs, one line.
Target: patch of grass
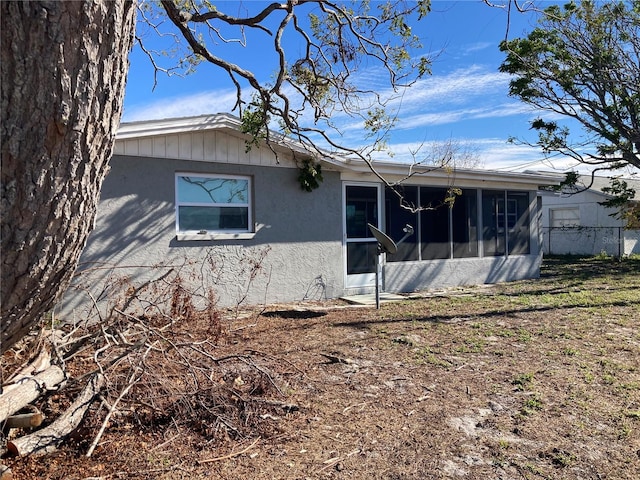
{"points": [[426, 355], [588, 377], [505, 333], [629, 386], [625, 430], [531, 405], [524, 335], [523, 381], [471, 345], [562, 458], [533, 469]]}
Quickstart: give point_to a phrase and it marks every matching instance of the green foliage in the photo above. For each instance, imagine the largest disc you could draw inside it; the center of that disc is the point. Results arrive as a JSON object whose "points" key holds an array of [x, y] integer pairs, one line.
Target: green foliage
{"points": [[314, 81], [625, 208], [582, 62], [570, 181], [523, 381], [310, 175], [532, 405], [452, 194], [377, 120], [254, 122]]}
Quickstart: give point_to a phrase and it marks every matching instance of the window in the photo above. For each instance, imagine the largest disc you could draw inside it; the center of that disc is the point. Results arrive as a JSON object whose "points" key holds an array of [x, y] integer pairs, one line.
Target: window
{"points": [[212, 203], [565, 217]]}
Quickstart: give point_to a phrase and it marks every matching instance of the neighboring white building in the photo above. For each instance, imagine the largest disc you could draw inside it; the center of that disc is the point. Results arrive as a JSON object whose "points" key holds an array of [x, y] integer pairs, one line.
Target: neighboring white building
{"points": [[184, 198], [577, 223]]}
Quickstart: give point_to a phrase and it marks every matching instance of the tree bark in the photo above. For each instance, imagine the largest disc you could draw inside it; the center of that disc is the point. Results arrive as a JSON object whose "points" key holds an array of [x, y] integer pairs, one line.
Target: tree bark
{"points": [[63, 71], [24, 420], [29, 388], [49, 438]]}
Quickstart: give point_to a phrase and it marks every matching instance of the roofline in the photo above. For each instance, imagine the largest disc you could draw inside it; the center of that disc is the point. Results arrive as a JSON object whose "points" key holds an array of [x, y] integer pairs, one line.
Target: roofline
{"points": [[217, 121], [385, 168], [232, 124], [166, 126]]}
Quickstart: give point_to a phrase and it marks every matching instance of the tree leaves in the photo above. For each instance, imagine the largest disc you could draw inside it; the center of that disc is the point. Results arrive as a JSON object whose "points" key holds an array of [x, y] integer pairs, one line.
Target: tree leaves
{"points": [[582, 63], [319, 51]]}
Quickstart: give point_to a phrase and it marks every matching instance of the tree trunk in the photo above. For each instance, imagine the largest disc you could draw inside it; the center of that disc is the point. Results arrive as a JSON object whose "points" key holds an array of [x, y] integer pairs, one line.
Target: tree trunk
{"points": [[63, 71]]}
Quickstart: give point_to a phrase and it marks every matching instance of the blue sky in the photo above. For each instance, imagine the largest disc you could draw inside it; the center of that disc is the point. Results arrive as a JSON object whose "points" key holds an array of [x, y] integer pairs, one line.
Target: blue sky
{"points": [[464, 101]]}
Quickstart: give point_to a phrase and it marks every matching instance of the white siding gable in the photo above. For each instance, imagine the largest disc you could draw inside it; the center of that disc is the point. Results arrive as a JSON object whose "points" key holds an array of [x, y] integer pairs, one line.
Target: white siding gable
{"points": [[206, 146]]}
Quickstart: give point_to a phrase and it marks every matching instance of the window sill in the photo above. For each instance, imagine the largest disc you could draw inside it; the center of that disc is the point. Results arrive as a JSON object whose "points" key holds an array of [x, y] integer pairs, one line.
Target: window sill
{"points": [[190, 237]]}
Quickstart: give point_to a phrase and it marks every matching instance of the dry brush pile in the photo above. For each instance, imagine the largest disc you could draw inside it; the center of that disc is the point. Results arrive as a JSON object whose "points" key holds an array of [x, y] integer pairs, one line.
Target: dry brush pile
{"points": [[152, 361]]}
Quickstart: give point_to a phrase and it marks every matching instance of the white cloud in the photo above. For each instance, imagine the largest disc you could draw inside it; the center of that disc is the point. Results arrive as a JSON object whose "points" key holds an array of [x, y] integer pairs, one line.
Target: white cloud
{"points": [[201, 103], [463, 95], [460, 86], [491, 153], [476, 47]]}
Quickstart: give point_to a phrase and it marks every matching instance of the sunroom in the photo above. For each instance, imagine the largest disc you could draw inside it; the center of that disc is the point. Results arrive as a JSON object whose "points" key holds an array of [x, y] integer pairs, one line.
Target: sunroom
{"points": [[479, 227]]}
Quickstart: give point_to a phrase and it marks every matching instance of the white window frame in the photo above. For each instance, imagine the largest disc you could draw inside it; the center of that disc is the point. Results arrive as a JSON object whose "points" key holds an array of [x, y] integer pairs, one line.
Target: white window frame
{"points": [[563, 220], [204, 234]]}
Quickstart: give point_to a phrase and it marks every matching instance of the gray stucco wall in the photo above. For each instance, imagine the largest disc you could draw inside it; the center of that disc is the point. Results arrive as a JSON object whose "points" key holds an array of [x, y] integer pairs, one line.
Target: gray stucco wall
{"points": [[134, 240], [599, 231], [435, 274]]}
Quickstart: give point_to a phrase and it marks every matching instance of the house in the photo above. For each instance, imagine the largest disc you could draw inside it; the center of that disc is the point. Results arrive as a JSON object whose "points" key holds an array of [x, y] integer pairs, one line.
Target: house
{"points": [[186, 200], [574, 221]]}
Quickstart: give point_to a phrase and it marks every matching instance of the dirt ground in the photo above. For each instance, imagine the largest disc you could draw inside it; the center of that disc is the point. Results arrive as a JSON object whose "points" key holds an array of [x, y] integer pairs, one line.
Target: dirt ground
{"points": [[529, 380]]}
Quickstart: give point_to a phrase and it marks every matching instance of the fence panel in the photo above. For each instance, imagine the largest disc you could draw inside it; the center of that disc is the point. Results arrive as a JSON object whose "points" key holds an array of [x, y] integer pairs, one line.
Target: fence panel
{"points": [[615, 241]]}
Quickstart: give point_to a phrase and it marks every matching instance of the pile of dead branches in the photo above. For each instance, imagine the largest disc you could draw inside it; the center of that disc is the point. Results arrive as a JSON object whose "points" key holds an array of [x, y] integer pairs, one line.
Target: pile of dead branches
{"points": [[146, 371]]}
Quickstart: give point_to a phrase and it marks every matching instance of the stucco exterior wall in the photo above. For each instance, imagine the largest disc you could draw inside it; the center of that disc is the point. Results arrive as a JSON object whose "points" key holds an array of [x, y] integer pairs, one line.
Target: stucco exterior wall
{"points": [[134, 259], [415, 276], [592, 214], [597, 231], [135, 239]]}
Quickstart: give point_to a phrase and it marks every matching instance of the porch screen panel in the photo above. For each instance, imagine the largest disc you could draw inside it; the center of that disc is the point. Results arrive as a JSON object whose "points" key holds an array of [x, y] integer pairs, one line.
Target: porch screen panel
{"points": [[493, 222], [464, 222], [518, 223], [397, 218], [434, 224]]}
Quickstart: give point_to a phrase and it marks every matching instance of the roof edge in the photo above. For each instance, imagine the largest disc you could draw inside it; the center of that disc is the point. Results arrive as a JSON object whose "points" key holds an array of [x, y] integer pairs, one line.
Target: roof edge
{"points": [[165, 126], [232, 124]]}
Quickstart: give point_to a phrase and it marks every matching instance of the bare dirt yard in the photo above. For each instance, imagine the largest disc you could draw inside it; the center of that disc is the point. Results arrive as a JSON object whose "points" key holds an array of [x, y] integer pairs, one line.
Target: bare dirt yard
{"points": [[537, 379]]}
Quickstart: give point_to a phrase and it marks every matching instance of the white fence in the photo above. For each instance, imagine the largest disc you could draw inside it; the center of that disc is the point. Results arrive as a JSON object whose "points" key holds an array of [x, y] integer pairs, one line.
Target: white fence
{"points": [[616, 241]]}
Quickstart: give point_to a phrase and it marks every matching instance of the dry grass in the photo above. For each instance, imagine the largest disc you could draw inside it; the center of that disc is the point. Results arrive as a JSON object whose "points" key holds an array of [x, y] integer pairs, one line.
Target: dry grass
{"points": [[533, 380]]}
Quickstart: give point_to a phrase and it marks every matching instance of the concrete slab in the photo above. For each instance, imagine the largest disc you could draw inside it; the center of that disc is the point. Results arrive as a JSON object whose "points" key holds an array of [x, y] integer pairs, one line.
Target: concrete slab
{"points": [[370, 299]]}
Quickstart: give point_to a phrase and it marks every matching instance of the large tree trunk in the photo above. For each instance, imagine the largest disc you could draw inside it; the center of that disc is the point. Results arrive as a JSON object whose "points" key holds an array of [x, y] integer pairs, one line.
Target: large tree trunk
{"points": [[63, 71]]}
